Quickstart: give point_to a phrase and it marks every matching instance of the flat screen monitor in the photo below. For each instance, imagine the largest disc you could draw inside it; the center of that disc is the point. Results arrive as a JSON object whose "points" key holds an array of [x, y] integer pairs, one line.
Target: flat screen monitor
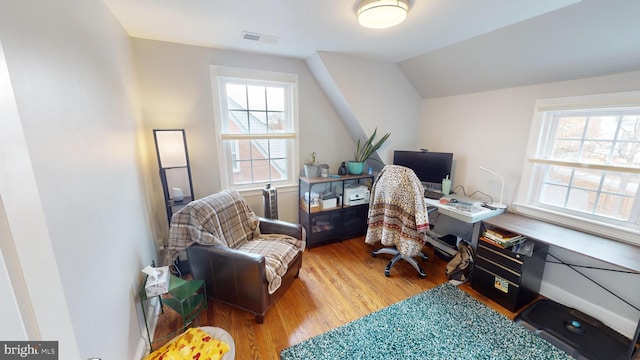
{"points": [[430, 167]]}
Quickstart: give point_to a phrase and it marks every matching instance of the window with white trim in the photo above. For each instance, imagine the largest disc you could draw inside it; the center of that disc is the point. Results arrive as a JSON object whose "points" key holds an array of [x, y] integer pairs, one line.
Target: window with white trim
{"points": [[583, 166], [256, 123]]}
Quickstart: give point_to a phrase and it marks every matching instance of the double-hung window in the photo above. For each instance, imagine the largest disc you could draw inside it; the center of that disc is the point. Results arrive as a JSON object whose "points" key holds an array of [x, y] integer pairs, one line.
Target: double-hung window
{"points": [[583, 166], [256, 124]]}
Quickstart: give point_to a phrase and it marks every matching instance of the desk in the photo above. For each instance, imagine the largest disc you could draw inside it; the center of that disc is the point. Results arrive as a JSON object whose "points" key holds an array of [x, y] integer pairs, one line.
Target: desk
{"points": [[473, 217]]}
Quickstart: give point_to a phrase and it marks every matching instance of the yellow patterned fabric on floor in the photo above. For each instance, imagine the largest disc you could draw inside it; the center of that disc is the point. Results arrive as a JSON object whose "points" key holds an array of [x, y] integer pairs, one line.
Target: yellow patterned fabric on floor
{"points": [[192, 344]]}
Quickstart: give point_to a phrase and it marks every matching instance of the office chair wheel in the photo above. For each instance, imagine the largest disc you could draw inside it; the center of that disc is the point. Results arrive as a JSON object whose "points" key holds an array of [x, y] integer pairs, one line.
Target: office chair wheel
{"points": [[373, 253], [387, 273]]}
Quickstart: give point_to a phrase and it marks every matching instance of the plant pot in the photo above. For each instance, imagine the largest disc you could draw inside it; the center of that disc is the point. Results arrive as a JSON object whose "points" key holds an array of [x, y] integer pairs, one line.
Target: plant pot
{"points": [[311, 171], [355, 168]]}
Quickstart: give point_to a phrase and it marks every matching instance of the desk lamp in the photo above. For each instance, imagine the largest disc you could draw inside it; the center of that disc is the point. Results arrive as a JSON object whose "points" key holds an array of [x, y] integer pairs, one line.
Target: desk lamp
{"points": [[498, 205]]}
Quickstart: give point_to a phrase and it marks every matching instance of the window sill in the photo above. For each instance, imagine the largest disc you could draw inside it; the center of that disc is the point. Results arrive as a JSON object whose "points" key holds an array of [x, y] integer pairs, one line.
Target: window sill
{"points": [[284, 188], [611, 251], [616, 233]]}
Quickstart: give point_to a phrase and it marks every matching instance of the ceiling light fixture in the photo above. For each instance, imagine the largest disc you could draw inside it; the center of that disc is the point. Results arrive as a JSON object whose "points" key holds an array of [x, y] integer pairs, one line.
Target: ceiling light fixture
{"points": [[381, 14]]}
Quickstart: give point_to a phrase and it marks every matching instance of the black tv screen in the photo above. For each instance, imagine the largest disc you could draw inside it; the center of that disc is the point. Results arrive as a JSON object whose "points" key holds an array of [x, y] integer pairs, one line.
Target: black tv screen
{"points": [[430, 167]]}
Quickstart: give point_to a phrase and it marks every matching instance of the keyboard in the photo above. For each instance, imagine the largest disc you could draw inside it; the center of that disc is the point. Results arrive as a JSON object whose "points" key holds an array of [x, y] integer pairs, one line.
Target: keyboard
{"points": [[430, 194]]}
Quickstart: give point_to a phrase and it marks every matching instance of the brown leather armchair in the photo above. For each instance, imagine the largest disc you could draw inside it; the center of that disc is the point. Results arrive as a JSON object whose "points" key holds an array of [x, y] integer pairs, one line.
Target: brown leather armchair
{"points": [[242, 266]]}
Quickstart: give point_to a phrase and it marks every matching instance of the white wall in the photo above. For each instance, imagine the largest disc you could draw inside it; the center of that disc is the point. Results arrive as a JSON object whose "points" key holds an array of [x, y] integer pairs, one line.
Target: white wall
{"points": [[370, 94], [83, 228], [491, 129], [176, 93]]}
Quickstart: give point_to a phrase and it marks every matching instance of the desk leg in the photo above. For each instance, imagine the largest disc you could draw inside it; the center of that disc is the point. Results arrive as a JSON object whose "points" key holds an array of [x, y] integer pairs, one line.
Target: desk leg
{"points": [[476, 234]]}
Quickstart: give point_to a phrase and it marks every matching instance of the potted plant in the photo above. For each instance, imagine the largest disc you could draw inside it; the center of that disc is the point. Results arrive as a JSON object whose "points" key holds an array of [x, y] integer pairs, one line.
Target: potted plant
{"points": [[311, 168], [364, 150]]}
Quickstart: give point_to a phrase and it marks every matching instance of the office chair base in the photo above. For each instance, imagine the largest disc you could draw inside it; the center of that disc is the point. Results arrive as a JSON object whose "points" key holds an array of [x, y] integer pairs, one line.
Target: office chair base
{"points": [[397, 256]]}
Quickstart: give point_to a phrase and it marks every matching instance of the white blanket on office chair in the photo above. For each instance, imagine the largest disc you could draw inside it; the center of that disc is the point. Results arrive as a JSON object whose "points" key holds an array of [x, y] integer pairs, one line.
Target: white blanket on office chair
{"points": [[397, 211]]}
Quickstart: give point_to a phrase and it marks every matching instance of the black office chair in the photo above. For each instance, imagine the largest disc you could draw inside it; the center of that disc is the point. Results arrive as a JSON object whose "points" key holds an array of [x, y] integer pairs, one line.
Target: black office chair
{"points": [[398, 217]]}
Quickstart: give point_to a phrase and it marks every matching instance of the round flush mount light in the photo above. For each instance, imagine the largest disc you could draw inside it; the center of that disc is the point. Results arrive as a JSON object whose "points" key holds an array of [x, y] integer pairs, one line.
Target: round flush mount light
{"points": [[381, 14]]}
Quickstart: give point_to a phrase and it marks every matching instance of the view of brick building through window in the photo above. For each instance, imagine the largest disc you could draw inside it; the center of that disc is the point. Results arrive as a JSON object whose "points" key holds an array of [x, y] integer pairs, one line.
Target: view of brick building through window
{"points": [[258, 131]]}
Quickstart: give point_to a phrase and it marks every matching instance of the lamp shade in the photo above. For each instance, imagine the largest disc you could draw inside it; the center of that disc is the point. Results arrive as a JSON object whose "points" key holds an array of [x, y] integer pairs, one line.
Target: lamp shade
{"points": [[380, 14], [171, 148]]}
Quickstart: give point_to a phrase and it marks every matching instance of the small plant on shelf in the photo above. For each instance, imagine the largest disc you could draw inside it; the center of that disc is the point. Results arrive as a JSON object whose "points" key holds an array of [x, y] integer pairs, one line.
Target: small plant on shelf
{"points": [[311, 168], [311, 160]]}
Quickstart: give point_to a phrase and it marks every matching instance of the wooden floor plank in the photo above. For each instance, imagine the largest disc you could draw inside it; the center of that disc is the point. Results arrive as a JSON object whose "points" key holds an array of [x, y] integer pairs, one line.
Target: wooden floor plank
{"points": [[338, 283]]}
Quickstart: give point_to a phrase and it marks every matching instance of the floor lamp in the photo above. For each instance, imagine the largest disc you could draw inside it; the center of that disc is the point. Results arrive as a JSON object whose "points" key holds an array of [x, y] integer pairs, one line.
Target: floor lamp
{"points": [[175, 170]]}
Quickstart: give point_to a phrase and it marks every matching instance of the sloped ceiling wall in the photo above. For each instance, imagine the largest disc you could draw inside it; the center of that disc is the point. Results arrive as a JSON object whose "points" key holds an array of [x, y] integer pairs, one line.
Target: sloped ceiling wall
{"points": [[370, 94], [590, 38]]}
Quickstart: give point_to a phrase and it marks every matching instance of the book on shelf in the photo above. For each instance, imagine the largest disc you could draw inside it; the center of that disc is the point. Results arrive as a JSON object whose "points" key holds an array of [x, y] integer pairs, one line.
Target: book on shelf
{"points": [[502, 242], [498, 233]]}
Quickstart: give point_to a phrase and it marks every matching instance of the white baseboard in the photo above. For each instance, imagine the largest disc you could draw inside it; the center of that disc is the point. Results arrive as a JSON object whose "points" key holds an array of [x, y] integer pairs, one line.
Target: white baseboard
{"points": [[626, 327], [153, 310]]}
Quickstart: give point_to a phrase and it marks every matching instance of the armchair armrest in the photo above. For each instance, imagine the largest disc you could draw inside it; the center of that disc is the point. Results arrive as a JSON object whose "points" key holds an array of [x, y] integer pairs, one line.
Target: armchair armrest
{"points": [[274, 226], [230, 275]]}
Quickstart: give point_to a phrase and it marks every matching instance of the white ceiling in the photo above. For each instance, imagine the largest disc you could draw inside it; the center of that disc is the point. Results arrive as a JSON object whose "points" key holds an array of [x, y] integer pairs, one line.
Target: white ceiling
{"points": [[433, 28]]}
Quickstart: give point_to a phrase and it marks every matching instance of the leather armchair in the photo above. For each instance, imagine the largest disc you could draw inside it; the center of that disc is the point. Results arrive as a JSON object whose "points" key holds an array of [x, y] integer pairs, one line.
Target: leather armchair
{"points": [[236, 274], [238, 278]]}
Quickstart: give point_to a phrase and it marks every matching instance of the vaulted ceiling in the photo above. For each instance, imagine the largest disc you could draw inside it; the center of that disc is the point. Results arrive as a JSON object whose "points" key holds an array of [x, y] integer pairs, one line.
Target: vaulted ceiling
{"points": [[445, 47]]}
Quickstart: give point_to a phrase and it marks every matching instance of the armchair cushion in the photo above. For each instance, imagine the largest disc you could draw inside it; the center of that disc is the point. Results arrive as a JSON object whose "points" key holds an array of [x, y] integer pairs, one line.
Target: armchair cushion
{"points": [[278, 254]]}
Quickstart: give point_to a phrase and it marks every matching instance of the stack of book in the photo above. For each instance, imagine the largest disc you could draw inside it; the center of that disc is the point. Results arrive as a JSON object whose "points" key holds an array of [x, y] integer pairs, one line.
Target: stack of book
{"points": [[502, 238]]}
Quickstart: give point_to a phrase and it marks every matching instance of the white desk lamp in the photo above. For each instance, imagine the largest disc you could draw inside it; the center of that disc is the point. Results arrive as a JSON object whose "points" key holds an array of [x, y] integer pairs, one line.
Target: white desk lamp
{"points": [[498, 205]]}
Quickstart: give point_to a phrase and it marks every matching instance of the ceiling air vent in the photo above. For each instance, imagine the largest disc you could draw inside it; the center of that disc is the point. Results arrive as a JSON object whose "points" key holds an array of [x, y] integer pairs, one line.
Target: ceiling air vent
{"points": [[259, 37]]}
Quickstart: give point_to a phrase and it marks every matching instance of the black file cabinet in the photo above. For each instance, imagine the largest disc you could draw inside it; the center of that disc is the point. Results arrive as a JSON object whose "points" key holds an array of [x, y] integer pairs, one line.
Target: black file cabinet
{"points": [[510, 279]]}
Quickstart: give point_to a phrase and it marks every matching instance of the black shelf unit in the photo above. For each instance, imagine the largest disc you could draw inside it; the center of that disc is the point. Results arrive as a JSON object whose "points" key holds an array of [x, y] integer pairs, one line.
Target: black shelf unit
{"points": [[325, 224]]}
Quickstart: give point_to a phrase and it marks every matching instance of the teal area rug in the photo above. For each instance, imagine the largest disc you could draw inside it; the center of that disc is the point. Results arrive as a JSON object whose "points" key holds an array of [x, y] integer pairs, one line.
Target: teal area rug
{"points": [[442, 323]]}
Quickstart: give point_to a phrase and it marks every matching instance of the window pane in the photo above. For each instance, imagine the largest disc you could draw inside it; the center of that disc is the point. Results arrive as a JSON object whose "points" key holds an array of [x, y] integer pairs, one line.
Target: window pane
{"points": [[568, 150], [571, 127], [626, 154], [278, 148], [630, 128], [279, 169], [615, 206], [244, 175], [258, 122], [587, 179], [621, 183], [238, 122], [276, 122], [236, 96], [275, 99], [581, 200], [261, 170], [553, 195], [257, 99], [602, 127], [560, 175], [596, 152], [628, 150]]}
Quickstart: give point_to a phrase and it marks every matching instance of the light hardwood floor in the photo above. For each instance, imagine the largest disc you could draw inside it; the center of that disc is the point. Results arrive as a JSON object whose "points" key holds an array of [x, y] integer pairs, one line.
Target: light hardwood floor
{"points": [[338, 283]]}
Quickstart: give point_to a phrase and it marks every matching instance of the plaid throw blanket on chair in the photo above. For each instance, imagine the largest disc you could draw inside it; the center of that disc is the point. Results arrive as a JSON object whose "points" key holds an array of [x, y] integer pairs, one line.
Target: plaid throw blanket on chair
{"points": [[225, 219]]}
